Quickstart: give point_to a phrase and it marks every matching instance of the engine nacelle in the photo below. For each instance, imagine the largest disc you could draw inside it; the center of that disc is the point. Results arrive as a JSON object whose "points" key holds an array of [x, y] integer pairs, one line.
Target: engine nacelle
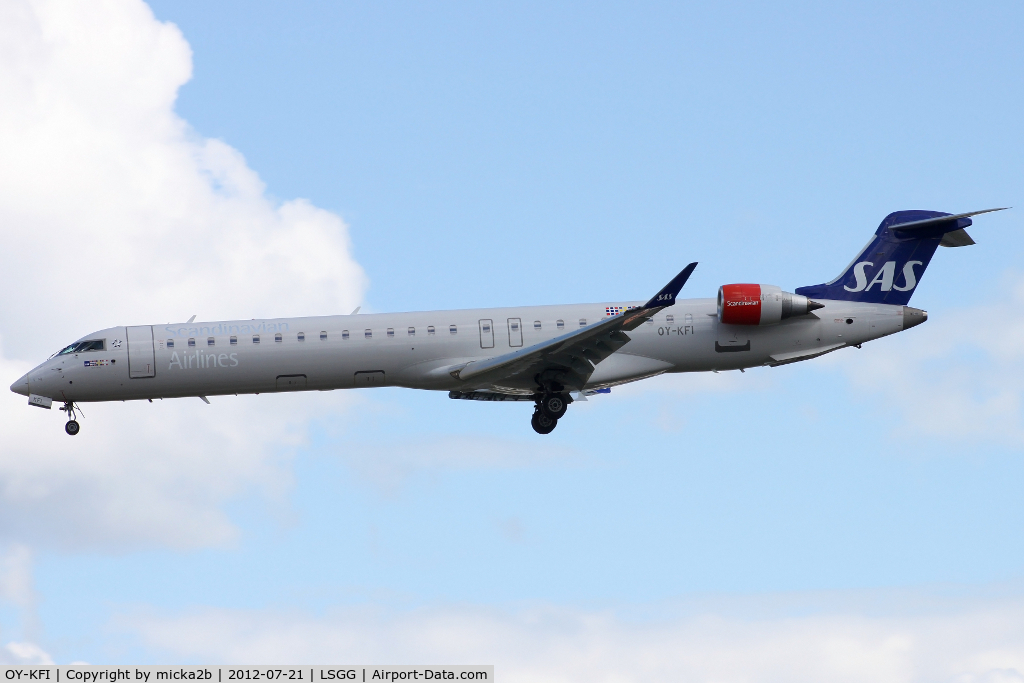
{"points": [[760, 305]]}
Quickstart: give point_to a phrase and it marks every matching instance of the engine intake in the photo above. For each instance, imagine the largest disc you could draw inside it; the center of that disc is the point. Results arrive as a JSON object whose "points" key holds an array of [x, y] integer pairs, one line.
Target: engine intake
{"points": [[760, 304]]}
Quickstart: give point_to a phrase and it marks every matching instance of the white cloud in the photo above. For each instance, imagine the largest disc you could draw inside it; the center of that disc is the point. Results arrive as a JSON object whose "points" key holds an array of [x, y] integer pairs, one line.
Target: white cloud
{"points": [[24, 654], [16, 577], [143, 474], [973, 642], [114, 211], [17, 589], [956, 376]]}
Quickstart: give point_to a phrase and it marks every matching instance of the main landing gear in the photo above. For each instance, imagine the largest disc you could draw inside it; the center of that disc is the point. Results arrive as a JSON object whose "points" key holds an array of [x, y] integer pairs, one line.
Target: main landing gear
{"points": [[72, 427], [550, 407], [542, 423]]}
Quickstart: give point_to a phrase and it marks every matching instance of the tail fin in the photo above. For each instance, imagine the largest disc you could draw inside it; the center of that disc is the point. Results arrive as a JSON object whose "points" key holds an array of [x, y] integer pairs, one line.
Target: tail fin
{"points": [[889, 268]]}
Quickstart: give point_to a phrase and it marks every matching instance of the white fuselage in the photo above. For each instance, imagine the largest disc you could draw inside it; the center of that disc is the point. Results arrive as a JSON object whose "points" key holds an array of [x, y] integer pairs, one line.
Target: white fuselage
{"points": [[417, 350]]}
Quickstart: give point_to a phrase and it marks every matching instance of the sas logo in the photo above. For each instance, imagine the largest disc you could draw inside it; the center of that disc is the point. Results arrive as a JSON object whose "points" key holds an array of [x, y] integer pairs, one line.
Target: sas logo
{"points": [[884, 277]]}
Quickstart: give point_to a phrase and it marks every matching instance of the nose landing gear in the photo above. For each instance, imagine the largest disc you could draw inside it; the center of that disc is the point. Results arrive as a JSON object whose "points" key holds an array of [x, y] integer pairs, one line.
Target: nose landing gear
{"points": [[72, 427]]}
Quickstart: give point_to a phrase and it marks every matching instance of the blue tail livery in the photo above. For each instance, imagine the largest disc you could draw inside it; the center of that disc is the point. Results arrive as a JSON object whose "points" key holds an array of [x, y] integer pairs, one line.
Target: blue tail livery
{"points": [[889, 268]]}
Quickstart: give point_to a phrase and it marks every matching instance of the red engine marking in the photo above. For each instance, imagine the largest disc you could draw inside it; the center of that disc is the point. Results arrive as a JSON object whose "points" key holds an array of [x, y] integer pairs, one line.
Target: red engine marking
{"points": [[741, 304]]}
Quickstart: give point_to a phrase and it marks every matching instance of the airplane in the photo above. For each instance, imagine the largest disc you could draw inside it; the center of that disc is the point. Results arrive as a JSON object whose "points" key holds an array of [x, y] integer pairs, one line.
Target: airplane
{"points": [[535, 354]]}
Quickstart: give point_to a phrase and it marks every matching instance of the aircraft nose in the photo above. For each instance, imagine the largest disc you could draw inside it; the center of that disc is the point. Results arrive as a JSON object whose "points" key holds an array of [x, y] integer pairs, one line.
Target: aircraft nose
{"points": [[21, 386]]}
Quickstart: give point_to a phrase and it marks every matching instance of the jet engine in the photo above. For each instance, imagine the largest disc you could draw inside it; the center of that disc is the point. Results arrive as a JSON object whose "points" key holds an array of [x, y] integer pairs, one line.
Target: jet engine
{"points": [[760, 305]]}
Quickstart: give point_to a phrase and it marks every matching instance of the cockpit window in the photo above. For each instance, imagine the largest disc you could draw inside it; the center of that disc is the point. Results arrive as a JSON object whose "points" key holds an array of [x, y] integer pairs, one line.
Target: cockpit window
{"points": [[79, 347]]}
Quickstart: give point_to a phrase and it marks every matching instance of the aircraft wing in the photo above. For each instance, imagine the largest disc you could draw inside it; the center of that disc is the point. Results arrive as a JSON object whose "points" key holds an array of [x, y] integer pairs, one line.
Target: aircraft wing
{"points": [[570, 358]]}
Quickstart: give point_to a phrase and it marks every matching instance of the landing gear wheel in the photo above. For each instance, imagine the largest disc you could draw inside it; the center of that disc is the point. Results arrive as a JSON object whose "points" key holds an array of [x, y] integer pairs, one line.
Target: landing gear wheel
{"points": [[554, 405], [72, 427], [542, 423]]}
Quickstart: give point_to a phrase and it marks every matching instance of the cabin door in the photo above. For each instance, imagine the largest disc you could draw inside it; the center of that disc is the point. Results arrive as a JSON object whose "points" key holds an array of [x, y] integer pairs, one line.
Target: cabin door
{"points": [[141, 355]]}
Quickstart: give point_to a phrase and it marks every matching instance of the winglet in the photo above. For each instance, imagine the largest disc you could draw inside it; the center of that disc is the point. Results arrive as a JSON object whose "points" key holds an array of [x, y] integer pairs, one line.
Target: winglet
{"points": [[635, 317], [667, 296]]}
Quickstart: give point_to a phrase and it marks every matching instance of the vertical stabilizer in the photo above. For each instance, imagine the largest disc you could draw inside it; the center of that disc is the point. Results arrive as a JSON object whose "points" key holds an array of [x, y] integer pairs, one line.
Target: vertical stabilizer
{"points": [[889, 268]]}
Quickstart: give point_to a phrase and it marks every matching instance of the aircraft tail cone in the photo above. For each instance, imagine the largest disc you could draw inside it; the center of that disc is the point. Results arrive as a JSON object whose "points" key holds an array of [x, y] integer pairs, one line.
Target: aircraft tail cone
{"points": [[913, 317]]}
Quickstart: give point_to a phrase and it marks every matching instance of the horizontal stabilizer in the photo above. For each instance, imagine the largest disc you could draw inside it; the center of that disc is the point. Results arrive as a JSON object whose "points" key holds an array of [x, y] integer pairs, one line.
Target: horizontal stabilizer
{"points": [[930, 222], [957, 238]]}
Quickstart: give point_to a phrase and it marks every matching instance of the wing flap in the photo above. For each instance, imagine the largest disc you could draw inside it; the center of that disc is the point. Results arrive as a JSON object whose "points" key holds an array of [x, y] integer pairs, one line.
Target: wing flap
{"points": [[488, 396]]}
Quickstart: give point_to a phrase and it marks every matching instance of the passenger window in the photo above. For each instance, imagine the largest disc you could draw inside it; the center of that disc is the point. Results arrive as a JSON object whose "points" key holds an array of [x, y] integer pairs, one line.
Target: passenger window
{"points": [[191, 341], [234, 340], [670, 318], [536, 324], [368, 334], [302, 336], [210, 341], [391, 333], [688, 318], [170, 343], [583, 322], [560, 324], [323, 335], [344, 334], [412, 331], [515, 326], [278, 337], [453, 329], [430, 329], [255, 339]]}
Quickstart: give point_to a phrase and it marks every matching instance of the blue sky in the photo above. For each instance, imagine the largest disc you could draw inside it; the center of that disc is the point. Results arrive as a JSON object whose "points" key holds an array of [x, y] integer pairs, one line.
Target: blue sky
{"points": [[467, 155], [477, 134]]}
